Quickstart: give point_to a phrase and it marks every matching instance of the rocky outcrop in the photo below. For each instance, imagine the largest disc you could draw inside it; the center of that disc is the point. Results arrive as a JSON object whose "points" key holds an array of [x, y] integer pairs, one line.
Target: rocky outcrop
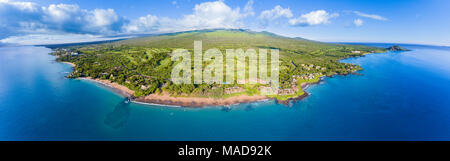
{"points": [[396, 48]]}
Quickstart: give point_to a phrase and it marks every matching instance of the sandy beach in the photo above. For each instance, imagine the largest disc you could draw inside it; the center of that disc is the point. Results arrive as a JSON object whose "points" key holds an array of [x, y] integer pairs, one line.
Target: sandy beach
{"points": [[166, 99], [120, 88], [71, 64]]}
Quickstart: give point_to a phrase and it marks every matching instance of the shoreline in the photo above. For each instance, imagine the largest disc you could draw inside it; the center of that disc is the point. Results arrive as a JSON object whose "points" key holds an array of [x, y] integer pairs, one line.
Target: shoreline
{"points": [[120, 89], [304, 86], [71, 64], [192, 102], [167, 100]]}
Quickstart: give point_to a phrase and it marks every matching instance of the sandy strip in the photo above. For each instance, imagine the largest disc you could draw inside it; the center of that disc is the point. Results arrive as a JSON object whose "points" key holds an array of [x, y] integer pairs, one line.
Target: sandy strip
{"points": [[120, 88], [71, 64], [166, 99]]}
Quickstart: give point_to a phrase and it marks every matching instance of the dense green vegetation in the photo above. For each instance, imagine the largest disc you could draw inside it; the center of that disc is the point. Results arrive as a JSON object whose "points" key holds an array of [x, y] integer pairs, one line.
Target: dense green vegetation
{"points": [[144, 64]]}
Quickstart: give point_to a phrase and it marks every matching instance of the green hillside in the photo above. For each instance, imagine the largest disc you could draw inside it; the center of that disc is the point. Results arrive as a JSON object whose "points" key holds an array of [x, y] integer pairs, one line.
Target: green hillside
{"points": [[296, 48], [144, 65]]}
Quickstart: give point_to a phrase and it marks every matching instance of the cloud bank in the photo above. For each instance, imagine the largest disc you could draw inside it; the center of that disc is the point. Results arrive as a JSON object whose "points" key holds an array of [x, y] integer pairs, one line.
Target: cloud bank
{"points": [[28, 17], [313, 18], [268, 16], [371, 16]]}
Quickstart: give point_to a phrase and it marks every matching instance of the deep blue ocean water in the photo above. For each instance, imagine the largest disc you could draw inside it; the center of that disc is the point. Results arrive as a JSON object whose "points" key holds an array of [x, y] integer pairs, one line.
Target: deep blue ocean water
{"points": [[401, 96]]}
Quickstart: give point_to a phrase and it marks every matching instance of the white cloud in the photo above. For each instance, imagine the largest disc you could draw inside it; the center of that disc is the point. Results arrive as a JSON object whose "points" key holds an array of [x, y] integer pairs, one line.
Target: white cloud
{"points": [[147, 23], [358, 22], [57, 38], [29, 18], [17, 17], [70, 18], [205, 15], [212, 15], [372, 16], [313, 18], [24, 6], [60, 12], [101, 17], [248, 9], [275, 13]]}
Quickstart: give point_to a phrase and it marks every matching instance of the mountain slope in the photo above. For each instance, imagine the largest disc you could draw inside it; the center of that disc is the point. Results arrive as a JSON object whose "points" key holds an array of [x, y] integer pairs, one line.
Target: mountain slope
{"points": [[223, 39], [233, 39]]}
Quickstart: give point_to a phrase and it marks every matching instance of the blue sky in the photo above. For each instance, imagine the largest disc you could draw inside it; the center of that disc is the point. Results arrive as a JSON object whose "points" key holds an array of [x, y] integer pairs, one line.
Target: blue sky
{"points": [[56, 21]]}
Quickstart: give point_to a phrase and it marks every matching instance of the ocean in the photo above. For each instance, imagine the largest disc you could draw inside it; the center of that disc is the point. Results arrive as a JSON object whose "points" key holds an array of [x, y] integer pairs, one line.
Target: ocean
{"points": [[399, 96]]}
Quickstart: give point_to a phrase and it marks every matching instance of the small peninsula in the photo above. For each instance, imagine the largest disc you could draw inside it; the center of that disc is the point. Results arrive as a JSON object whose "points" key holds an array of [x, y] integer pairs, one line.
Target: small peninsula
{"points": [[141, 67], [396, 48]]}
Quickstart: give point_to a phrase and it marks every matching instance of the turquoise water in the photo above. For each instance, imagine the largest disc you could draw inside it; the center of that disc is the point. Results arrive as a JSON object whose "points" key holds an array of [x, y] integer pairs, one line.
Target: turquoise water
{"points": [[401, 96]]}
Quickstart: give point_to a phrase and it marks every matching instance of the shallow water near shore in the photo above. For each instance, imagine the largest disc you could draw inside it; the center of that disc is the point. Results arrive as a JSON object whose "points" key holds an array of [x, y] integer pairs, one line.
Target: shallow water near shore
{"points": [[400, 96]]}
